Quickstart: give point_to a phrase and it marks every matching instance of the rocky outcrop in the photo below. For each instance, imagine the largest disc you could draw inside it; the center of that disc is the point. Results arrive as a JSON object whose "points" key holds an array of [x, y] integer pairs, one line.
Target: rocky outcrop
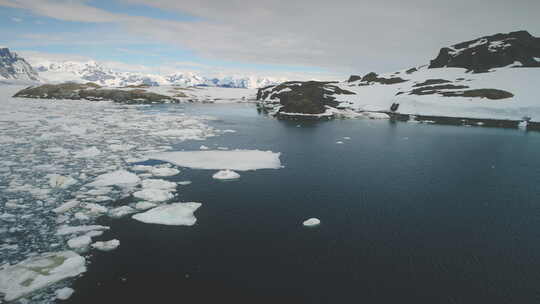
{"points": [[309, 97], [483, 54], [13, 67], [91, 91]]}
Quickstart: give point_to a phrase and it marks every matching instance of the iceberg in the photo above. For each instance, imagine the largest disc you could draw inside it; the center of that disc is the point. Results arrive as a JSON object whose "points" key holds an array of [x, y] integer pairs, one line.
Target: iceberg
{"points": [[311, 222], [226, 175]]}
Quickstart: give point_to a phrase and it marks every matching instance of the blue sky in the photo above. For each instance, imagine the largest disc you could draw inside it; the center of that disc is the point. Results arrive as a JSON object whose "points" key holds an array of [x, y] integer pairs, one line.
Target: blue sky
{"points": [[28, 32]]}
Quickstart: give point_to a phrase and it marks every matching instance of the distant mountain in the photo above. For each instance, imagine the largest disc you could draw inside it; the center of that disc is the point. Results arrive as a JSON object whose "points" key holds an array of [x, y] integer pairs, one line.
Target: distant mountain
{"points": [[15, 68], [92, 71]]}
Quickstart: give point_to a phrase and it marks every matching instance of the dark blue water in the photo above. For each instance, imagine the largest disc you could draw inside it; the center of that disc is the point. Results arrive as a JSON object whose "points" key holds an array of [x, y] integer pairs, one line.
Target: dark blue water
{"points": [[410, 214]]}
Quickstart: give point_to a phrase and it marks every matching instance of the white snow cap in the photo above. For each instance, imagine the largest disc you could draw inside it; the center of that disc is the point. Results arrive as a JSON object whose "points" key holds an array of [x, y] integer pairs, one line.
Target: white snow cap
{"points": [[311, 222], [241, 160], [173, 214], [226, 175]]}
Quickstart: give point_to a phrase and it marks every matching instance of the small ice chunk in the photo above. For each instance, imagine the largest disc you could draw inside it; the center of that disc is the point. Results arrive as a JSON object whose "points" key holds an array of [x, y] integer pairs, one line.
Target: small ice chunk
{"points": [[64, 293], [95, 208], [376, 115], [59, 181], [226, 175], [144, 205], [66, 206], [121, 211], [184, 183], [154, 195], [106, 245], [39, 272], [203, 147], [118, 178], [80, 242], [81, 216], [339, 142], [311, 222], [164, 171], [173, 214], [88, 153]]}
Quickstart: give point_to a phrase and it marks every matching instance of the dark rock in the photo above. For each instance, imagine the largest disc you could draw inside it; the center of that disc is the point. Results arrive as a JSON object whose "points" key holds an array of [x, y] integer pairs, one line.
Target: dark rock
{"points": [[431, 82], [483, 54], [412, 70], [354, 78], [14, 67], [92, 91], [373, 77]]}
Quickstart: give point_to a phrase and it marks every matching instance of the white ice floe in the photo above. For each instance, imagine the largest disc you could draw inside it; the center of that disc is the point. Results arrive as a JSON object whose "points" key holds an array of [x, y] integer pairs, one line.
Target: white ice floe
{"points": [[121, 211], [66, 206], [311, 222], [241, 160], [95, 209], [144, 205], [226, 175], [64, 293], [79, 243], [154, 195], [158, 184], [376, 115], [38, 272], [116, 178], [203, 147], [184, 183], [65, 230], [59, 181], [106, 245], [173, 214], [339, 142], [88, 153], [164, 171]]}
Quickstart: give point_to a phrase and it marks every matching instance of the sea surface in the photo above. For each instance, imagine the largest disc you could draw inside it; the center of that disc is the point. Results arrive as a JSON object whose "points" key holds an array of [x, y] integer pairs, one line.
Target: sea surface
{"points": [[410, 213]]}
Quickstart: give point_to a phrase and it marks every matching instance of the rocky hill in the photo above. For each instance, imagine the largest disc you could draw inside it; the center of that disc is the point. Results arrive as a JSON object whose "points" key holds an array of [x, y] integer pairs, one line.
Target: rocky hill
{"points": [[486, 81], [15, 68]]}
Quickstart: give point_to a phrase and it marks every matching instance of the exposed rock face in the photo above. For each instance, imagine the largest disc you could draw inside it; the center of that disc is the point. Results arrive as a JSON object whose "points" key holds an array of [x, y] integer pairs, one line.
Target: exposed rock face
{"points": [[13, 67], [372, 78], [483, 54], [91, 91], [354, 78], [309, 97]]}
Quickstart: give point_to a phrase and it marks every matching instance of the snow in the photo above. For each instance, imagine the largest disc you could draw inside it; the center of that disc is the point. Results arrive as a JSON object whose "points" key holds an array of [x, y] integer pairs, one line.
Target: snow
{"points": [[64, 293], [226, 175], [38, 272], [311, 222], [241, 160], [537, 59], [154, 195], [116, 178], [173, 214], [79, 243], [375, 115], [106, 245]]}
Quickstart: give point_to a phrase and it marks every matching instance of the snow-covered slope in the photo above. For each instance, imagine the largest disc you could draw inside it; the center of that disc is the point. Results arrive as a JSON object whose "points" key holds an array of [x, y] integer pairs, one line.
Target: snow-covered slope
{"points": [[468, 83], [14, 68], [92, 71]]}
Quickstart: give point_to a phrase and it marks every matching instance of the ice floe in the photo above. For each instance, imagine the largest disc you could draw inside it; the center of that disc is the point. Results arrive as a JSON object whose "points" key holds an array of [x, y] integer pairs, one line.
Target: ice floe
{"points": [[106, 245], [38, 272], [154, 195], [241, 160], [312, 222], [144, 205], [174, 214], [121, 211], [80, 242], [64, 293], [226, 175], [65, 230], [116, 178]]}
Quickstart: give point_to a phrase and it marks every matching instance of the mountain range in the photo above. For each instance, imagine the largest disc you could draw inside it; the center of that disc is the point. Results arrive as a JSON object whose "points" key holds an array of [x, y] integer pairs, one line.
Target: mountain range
{"points": [[14, 68]]}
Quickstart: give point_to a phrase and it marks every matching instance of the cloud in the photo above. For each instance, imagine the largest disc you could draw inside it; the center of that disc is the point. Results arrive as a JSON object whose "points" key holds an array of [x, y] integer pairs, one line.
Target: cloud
{"points": [[346, 36], [15, 19]]}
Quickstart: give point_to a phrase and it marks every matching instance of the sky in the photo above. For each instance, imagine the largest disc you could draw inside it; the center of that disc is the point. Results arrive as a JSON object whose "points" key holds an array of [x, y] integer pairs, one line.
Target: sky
{"points": [[295, 39]]}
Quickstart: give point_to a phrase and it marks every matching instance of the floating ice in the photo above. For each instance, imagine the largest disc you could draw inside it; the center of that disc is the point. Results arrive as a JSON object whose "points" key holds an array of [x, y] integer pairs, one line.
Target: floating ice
{"points": [[66, 206], [311, 222], [59, 181], [144, 205], [88, 153], [38, 272], [79, 243], [121, 211], [164, 171], [65, 230], [158, 184], [173, 214], [154, 195], [106, 245], [226, 175], [376, 115], [64, 293], [241, 160], [95, 208], [116, 178]]}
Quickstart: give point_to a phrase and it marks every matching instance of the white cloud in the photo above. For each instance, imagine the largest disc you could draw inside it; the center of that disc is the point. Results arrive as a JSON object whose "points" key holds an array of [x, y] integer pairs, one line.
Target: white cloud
{"points": [[346, 36], [16, 19]]}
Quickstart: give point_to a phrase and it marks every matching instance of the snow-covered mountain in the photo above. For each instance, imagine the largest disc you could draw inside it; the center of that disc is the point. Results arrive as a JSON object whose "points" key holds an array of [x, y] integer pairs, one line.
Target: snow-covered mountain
{"points": [[15, 68], [92, 71]]}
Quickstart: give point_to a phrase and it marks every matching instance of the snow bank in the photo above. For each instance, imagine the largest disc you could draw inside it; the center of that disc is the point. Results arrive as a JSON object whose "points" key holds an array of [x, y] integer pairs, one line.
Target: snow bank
{"points": [[226, 175], [38, 272], [241, 160], [173, 214]]}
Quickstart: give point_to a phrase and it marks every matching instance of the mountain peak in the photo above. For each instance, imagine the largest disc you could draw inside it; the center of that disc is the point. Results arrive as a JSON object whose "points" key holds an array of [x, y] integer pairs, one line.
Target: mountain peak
{"points": [[13, 67]]}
